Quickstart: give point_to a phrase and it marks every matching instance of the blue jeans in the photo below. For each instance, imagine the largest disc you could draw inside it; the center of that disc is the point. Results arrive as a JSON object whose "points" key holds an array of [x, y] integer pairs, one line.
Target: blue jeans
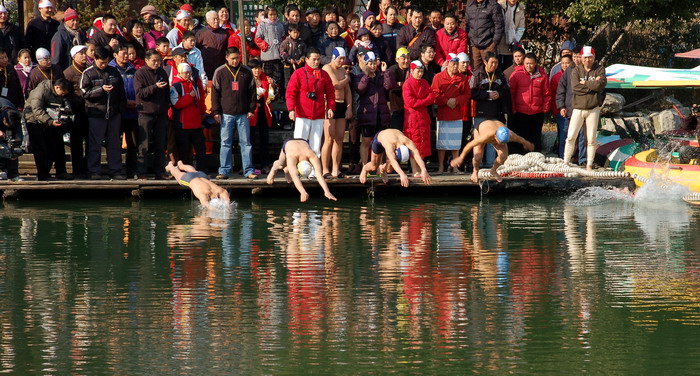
{"points": [[489, 151], [562, 129], [241, 124]]}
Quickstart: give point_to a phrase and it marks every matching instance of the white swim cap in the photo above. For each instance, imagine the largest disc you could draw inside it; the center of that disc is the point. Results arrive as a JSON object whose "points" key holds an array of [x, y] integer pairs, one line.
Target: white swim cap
{"points": [[304, 168], [402, 153]]}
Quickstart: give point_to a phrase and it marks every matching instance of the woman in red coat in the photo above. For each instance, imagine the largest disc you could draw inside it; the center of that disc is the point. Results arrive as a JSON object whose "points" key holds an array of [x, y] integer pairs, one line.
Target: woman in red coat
{"points": [[262, 117], [417, 96]]}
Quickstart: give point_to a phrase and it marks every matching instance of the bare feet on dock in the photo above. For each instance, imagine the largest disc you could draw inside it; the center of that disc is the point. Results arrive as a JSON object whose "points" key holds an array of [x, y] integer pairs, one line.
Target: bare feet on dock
{"points": [[455, 163], [475, 177], [496, 175]]}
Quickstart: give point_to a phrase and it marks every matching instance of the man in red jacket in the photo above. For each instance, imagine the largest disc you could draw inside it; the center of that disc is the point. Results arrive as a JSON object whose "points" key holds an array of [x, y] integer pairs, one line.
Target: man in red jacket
{"points": [[453, 92], [310, 99], [529, 91], [449, 40]]}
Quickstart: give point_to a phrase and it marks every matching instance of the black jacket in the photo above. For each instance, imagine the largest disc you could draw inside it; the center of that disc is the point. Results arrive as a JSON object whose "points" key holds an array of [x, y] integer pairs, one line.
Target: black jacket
{"points": [[408, 33], [39, 33], [565, 93], [61, 44], [100, 103], [151, 99], [12, 40], [224, 100], [102, 39], [486, 108], [485, 23], [10, 81]]}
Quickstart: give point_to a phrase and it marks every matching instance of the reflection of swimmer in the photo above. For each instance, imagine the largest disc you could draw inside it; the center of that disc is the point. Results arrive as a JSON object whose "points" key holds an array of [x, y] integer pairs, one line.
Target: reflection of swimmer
{"points": [[495, 133], [398, 149], [296, 152], [198, 182]]}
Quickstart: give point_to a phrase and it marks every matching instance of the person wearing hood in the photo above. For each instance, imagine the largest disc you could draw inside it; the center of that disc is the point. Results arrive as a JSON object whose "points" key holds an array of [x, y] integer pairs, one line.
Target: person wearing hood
{"points": [[531, 98], [11, 36], [41, 29], [45, 70], [187, 99], [567, 48], [363, 44], [68, 36]]}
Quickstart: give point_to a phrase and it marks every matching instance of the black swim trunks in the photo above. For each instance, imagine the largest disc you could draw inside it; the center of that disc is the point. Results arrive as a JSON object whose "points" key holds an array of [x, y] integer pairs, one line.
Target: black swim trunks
{"points": [[187, 178], [340, 109], [377, 147]]}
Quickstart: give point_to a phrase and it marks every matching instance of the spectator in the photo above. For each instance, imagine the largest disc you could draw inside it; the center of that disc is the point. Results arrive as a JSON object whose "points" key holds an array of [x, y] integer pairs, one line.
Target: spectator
{"points": [[151, 17], [449, 40], [353, 27], [372, 113], [292, 52], [10, 85], [381, 45], [262, 116], [491, 98], [187, 98], [293, 16], [310, 99], [11, 128], [518, 60], [363, 44], [268, 37], [367, 19], [183, 19], [134, 36], [133, 57], [225, 22], [41, 29], [383, 16], [11, 36], [331, 42], [108, 37], [435, 20], [157, 31], [343, 25], [416, 35], [153, 98], [485, 28], [105, 100], [45, 129], [330, 14], [250, 46], [23, 68], [452, 92], [67, 36], [567, 48], [588, 81], [90, 52], [129, 126], [417, 97], [313, 23], [194, 55], [233, 92], [212, 41], [427, 57], [514, 27], [562, 107], [44, 70], [394, 78], [163, 49], [529, 92], [390, 30], [332, 150], [79, 126]]}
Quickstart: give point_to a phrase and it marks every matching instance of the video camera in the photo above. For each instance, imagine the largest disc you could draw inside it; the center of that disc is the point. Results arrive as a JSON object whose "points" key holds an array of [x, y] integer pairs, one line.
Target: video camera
{"points": [[62, 114], [11, 140]]}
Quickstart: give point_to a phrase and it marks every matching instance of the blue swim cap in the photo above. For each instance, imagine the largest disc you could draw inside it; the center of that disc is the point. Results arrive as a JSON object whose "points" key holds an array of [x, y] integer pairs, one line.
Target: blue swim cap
{"points": [[502, 134], [403, 154]]}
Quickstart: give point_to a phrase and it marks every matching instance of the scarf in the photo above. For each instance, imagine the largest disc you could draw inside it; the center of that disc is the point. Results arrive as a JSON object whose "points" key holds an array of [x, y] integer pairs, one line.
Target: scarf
{"points": [[75, 34]]}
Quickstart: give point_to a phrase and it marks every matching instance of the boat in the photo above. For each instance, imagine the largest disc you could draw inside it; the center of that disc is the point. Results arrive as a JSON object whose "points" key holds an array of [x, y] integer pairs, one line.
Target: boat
{"points": [[617, 158], [643, 164]]}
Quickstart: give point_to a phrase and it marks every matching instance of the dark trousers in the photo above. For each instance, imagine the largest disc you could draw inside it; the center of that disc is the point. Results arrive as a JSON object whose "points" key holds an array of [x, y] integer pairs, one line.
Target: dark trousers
{"points": [[47, 146], [78, 141], [186, 139], [130, 129], [397, 118], [109, 131], [152, 128], [11, 166], [528, 127], [275, 69], [260, 138]]}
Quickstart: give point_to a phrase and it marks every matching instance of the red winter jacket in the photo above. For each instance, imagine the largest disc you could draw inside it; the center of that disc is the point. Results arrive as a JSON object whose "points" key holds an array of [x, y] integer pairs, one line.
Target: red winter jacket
{"points": [[553, 84], [446, 87], [251, 48], [268, 113], [417, 96], [446, 44], [187, 109], [530, 92], [303, 81]]}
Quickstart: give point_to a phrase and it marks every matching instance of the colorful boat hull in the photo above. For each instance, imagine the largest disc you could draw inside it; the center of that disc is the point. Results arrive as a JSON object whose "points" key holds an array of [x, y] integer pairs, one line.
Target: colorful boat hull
{"points": [[644, 163]]}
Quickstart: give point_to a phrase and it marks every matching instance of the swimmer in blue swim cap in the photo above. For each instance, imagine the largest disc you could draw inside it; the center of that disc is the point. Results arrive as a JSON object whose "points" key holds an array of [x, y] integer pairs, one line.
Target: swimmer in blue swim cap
{"points": [[398, 149], [497, 134]]}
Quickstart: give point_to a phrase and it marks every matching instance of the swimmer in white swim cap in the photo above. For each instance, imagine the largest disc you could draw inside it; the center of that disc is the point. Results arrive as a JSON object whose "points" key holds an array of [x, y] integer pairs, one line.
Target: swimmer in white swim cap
{"points": [[296, 152], [398, 149]]}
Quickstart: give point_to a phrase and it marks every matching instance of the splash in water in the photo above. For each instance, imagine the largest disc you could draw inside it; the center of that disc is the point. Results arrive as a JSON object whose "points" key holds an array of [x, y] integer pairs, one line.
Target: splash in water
{"points": [[219, 209], [598, 195]]}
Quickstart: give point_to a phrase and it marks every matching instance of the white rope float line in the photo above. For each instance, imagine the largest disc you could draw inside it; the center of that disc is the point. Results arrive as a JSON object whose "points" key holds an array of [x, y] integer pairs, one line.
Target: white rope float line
{"points": [[536, 165]]}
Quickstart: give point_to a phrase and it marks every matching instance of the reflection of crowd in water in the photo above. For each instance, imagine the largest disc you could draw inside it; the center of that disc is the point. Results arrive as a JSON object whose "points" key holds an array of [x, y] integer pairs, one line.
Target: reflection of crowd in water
{"points": [[282, 283]]}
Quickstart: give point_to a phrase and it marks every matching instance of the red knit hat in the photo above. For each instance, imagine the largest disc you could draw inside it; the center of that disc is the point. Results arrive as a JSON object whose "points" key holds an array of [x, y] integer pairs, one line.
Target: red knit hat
{"points": [[69, 14]]}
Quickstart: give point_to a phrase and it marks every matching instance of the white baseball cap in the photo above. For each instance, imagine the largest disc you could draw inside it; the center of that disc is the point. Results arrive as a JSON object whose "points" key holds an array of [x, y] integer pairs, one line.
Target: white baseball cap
{"points": [[76, 49], [45, 4]]}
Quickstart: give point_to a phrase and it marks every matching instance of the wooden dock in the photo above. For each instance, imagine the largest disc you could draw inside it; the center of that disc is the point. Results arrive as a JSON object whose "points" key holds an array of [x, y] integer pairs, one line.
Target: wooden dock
{"points": [[351, 186]]}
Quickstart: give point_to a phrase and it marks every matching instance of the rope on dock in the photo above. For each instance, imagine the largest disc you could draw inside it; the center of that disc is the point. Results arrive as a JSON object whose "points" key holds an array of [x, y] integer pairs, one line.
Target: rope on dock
{"points": [[536, 165]]}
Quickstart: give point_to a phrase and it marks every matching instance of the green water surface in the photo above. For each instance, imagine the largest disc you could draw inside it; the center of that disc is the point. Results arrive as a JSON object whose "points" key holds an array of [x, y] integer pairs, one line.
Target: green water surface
{"points": [[396, 285]]}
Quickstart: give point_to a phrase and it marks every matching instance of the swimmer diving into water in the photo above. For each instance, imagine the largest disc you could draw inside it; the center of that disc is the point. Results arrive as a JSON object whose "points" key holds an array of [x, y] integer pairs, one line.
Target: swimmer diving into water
{"points": [[198, 182]]}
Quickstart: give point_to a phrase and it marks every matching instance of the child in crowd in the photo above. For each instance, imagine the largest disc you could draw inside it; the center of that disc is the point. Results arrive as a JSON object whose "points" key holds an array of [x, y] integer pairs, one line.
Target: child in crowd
{"points": [[133, 57], [163, 48], [363, 44], [24, 67], [250, 46], [292, 51], [90, 52], [262, 117], [268, 37], [194, 55]]}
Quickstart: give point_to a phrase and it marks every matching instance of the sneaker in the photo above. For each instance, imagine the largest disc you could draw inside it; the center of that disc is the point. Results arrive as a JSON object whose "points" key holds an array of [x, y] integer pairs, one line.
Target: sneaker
{"points": [[3, 175], [16, 179], [221, 177]]}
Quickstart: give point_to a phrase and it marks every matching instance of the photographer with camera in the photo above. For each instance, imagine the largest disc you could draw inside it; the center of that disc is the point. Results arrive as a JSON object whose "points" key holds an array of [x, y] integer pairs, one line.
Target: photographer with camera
{"points": [[47, 112], [105, 100], [11, 137]]}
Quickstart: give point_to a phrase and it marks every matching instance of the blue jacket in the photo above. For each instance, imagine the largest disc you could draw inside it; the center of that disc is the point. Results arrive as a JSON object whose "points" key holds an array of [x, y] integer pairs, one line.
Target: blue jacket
{"points": [[128, 78]]}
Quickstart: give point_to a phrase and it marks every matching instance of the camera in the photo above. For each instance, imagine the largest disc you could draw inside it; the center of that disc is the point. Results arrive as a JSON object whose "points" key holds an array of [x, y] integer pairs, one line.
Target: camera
{"points": [[311, 95], [65, 115], [11, 148], [11, 142]]}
